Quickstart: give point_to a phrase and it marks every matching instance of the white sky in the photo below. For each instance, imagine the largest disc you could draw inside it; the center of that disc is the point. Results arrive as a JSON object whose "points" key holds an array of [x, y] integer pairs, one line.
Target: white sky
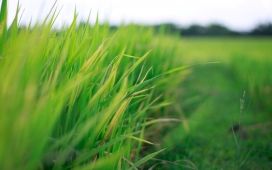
{"points": [[236, 14]]}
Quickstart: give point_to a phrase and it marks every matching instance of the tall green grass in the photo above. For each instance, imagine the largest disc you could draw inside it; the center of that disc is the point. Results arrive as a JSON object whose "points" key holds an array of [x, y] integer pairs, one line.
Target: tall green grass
{"points": [[255, 75], [81, 97]]}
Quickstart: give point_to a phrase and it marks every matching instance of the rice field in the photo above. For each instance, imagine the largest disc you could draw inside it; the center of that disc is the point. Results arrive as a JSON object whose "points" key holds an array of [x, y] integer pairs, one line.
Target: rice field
{"points": [[87, 97], [227, 106]]}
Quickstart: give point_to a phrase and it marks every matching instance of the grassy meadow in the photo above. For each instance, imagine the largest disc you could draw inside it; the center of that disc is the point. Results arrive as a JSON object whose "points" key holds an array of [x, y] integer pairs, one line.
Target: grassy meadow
{"points": [[87, 97], [227, 105]]}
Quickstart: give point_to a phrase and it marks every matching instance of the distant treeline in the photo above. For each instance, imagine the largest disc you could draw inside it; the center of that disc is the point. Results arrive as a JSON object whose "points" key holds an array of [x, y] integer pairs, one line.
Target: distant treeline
{"points": [[212, 30], [217, 30], [199, 30]]}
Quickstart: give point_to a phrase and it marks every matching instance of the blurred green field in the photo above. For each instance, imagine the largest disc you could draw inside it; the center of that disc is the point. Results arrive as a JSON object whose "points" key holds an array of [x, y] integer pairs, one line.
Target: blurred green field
{"points": [[249, 59], [227, 128], [87, 97], [225, 48]]}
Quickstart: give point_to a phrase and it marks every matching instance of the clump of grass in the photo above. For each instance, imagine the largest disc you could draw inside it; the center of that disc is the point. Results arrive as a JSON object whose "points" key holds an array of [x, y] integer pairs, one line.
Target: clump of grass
{"points": [[254, 74], [76, 98]]}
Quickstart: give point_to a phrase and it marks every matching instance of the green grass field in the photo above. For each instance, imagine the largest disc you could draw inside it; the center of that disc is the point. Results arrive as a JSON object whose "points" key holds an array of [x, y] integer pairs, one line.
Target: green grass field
{"points": [[85, 97], [211, 101]]}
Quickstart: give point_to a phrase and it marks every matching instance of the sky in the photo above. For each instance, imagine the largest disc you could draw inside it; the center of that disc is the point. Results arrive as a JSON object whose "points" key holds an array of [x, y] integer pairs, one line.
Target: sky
{"points": [[241, 15]]}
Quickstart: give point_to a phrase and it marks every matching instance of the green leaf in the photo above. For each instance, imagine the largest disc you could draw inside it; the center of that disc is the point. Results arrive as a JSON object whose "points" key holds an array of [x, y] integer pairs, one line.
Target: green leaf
{"points": [[3, 25], [143, 160]]}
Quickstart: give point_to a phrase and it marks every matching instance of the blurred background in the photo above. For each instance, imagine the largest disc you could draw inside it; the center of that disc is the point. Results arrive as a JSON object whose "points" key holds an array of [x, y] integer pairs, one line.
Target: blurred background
{"points": [[236, 15]]}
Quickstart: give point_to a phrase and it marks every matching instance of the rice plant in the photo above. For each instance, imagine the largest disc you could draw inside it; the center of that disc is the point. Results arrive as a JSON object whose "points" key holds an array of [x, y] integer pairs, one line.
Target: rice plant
{"points": [[79, 97]]}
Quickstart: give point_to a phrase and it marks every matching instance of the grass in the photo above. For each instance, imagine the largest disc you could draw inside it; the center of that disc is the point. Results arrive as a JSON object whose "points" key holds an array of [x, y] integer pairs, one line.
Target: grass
{"points": [[80, 97], [86, 97], [211, 102]]}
